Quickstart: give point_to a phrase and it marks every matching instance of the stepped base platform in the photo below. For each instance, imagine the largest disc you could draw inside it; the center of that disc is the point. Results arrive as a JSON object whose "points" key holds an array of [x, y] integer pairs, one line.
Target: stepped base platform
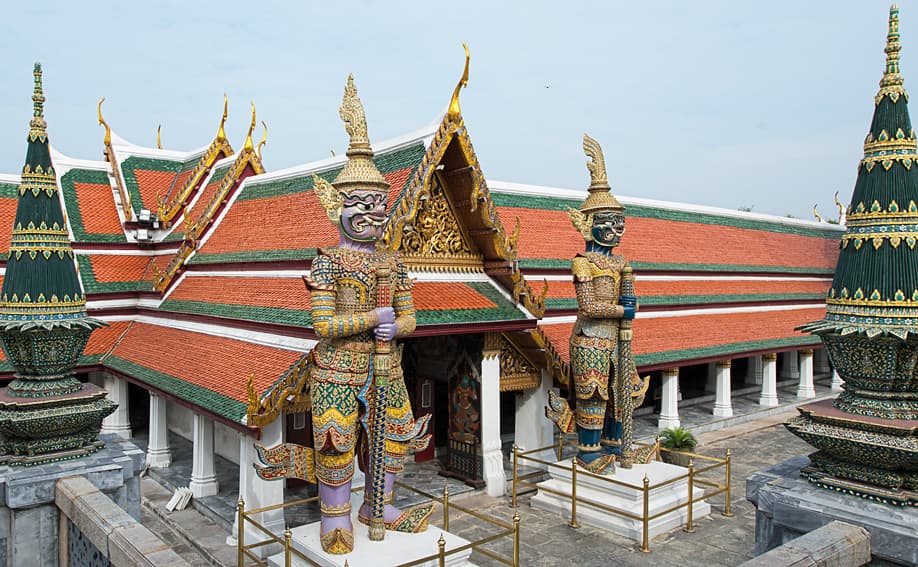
{"points": [[788, 505], [396, 549], [628, 499]]}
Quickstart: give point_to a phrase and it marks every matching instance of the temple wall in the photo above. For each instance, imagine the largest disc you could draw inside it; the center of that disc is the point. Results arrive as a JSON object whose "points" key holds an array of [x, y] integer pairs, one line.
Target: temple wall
{"points": [[226, 440]]}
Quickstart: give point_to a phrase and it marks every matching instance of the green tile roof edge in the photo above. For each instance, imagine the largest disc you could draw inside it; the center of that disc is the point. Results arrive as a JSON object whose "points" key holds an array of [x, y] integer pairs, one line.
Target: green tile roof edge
{"points": [[727, 349], [74, 215], [553, 263], [571, 302], [275, 315], [254, 256], [132, 163], [643, 211], [198, 395]]}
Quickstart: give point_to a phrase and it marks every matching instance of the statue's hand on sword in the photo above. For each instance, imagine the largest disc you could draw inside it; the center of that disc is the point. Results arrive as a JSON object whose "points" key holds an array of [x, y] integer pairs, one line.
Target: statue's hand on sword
{"points": [[386, 329]]}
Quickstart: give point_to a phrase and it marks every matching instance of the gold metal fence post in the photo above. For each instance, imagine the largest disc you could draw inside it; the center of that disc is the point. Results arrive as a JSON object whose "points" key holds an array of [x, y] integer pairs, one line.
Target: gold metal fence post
{"points": [[645, 540], [288, 557], [574, 523], [516, 538], [727, 512], [441, 544], [689, 527], [446, 507], [516, 456], [240, 536], [560, 444]]}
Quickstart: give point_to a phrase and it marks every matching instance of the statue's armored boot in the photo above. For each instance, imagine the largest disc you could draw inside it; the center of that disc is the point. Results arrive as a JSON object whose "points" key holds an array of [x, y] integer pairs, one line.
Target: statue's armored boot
{"points": [[589, 453], [337, 532], [413, 520], [611, 440]]}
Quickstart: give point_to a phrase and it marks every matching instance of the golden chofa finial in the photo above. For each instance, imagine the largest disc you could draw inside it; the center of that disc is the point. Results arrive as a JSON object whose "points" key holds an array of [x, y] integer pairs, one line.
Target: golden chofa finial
{"points": [[264, 140], [159, 137], [816, 213], [37, 126], [221, 133], [454, 113], [108, 131], [249, 144]]}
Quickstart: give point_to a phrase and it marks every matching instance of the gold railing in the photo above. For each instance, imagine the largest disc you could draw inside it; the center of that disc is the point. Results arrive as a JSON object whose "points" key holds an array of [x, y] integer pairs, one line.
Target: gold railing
{"points": [[645, 487], [286, 541]]}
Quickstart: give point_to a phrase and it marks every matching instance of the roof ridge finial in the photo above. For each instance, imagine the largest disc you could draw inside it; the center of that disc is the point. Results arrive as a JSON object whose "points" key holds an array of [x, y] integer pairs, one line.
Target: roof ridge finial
{"points": [[159, 137], [249, 145], [221, 133], [264, 140], [108, 131], [454, 113], [38, 126]]}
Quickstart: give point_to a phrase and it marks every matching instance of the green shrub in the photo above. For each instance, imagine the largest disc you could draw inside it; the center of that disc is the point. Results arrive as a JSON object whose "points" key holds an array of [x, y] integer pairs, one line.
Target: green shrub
{"points": [[678, 438]]}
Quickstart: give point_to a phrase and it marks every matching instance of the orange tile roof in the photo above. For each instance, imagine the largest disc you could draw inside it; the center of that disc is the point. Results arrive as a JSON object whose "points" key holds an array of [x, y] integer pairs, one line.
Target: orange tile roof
{"points": [[448, 295], [284, 293], [662, 334], [644, 288], [203, 199], [180, 179], [285, 222], [151, 184], [219, 364], [102, 340], [549, 234], [109, 268], [7, 217], [97, 208]]}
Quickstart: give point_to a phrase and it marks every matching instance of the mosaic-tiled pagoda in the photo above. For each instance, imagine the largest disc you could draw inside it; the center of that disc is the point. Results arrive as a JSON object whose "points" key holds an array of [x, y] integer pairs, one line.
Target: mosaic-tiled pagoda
{"points": [[868, 437], [46, 413]]}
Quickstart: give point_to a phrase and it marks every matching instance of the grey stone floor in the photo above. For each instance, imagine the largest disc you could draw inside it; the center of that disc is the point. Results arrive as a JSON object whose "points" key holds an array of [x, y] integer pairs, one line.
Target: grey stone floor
{"points": [[546, 538]]}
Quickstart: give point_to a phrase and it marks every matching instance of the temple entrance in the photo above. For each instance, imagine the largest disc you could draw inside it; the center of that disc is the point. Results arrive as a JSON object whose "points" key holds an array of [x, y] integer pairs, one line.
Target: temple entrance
{"points": [[442, 375]]}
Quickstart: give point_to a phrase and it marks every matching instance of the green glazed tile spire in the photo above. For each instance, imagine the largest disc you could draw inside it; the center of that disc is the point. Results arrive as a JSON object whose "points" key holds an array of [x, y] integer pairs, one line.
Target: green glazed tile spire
{"points": [[875, 289], [40, 287]]}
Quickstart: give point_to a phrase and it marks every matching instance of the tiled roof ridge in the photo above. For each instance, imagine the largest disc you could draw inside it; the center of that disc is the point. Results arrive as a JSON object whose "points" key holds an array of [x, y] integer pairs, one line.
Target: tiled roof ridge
{"points": [[116, 342], [513, 188]]}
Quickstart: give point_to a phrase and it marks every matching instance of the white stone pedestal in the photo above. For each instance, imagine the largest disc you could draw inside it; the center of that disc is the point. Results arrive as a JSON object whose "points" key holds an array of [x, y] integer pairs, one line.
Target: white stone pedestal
{"points": [[623, 498], [396, 549]]}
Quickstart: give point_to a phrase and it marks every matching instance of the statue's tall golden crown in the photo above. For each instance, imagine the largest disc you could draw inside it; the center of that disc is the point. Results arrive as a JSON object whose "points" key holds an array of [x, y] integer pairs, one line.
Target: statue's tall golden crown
{"points": [[600, 197], [359, 172]]}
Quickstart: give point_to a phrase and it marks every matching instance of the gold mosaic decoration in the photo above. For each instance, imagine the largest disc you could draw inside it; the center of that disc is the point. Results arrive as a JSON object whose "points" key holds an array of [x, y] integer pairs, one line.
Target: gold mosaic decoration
{"points": [[516, 371]]}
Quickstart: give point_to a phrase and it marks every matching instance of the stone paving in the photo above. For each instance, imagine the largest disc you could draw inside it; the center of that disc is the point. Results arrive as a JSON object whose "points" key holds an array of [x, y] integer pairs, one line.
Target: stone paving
{"points": [[546, 538]]}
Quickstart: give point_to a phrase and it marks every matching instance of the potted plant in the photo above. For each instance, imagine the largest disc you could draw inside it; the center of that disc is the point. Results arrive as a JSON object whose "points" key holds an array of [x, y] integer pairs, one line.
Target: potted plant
{"points": [[679, 441]]}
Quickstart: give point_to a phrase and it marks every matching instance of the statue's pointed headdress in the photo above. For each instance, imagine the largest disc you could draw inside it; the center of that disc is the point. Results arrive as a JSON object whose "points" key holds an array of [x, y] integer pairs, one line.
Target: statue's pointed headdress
{"points": [[359, 172], [600, 198]]}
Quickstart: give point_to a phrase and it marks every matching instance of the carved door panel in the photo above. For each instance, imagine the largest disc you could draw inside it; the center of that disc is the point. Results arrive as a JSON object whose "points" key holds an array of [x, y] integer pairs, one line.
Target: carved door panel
{"points": [[423, 404]]}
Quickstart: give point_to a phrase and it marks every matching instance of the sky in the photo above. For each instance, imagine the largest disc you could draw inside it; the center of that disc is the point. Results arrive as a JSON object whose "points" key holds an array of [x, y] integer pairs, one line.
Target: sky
{"points": [[759, 105]]}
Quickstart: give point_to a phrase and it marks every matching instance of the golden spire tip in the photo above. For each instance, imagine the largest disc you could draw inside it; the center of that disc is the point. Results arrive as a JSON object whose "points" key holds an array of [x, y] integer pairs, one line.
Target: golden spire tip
{"points": [[249, 144], [221, 133], [159, 138]]}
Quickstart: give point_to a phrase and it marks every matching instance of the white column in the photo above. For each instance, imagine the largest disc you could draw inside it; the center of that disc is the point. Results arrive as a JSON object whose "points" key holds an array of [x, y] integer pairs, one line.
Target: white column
{"points": [[203, 478], [493, 458], [255, 492], [806, 390], [769, 396], [533, 429], [119, 422], [755, 370], [837, 381], [789, 365], [710, 384], [158, 454], [821, 362], [669, 404], [723, 405]]}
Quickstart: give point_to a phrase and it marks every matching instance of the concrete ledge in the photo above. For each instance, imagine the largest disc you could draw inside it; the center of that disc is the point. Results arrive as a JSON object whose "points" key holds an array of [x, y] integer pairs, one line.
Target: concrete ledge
{"points": [[112, 530], [836, 544]]}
